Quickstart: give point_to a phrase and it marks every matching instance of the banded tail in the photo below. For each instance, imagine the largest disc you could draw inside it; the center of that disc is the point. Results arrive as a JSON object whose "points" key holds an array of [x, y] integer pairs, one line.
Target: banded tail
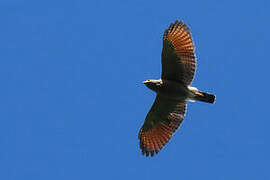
{"points": [[205, 97]]}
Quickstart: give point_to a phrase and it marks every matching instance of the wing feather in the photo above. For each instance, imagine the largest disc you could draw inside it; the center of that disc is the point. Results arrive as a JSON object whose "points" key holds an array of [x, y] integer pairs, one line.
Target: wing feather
{"points": [[178, 58], [163, 119]]}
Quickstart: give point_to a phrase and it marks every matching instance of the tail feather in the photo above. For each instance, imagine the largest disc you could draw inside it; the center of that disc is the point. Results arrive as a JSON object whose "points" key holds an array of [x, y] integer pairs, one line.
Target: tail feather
{"points": [[205, 97]]}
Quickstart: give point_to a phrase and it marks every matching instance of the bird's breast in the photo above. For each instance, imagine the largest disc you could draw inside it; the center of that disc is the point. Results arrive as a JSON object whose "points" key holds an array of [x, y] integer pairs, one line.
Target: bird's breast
{"points": [[174, 90]]}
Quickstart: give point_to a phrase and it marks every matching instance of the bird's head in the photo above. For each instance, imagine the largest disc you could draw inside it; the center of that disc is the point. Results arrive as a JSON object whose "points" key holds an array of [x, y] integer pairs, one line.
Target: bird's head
{"points": [[153, 84]]}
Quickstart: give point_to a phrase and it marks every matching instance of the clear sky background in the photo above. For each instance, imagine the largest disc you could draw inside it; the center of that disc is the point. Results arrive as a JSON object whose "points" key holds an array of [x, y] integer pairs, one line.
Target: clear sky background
{"points": [[72, 99]]}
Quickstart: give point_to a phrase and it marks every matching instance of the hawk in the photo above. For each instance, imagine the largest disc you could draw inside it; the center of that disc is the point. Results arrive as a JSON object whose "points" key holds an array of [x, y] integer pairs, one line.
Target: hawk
{"points": [[172, 90]]}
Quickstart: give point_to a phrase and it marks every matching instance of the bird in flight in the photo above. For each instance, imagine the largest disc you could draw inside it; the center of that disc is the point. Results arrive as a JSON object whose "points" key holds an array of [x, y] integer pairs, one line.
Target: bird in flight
{"points": [[172, 90]]}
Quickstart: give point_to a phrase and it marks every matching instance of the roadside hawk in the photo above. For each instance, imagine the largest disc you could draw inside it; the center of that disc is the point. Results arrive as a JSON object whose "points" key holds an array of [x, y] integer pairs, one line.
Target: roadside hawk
{"points": [[172, 90]]}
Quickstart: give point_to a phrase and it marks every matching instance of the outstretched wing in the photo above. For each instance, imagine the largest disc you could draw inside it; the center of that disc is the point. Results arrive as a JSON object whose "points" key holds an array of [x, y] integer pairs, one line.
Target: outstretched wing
{"points": [[161, 122], [178, 58]]}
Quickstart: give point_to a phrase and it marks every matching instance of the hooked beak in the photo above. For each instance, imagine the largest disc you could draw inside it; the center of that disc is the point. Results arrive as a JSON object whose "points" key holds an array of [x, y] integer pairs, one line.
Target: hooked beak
{"points": [[144, 82]]}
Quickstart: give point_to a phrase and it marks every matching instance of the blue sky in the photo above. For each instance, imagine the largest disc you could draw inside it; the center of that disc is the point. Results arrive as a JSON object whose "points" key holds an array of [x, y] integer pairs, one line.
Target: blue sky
{"points": [[72, 98]]}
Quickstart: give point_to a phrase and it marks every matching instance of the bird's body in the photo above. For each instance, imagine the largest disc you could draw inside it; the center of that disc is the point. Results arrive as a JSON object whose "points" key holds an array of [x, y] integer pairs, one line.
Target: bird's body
{"points": [[170, 89], [173, 90]]}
